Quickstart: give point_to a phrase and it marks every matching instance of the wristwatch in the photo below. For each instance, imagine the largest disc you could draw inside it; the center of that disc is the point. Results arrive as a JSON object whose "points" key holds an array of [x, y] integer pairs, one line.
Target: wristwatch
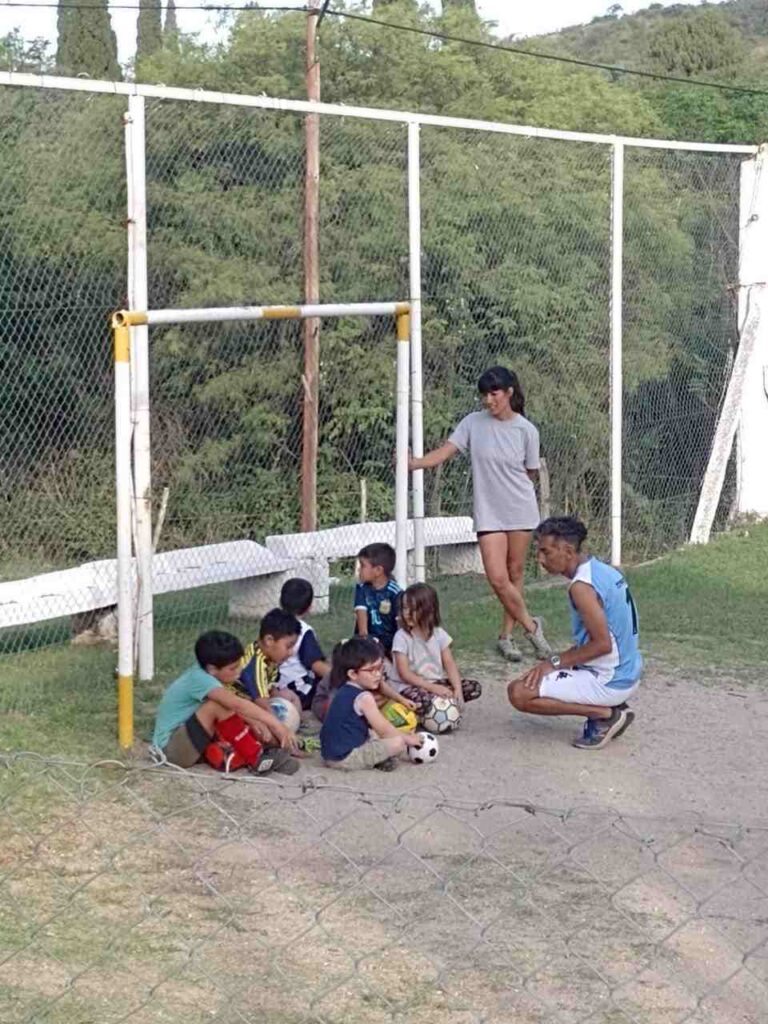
{"points": [[555, 660]]}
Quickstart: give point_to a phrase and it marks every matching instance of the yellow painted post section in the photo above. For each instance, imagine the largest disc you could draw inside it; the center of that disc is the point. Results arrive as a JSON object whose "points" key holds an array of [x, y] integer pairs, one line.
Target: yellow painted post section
{"points": [[281, 312], [125, 711], [128, 318], [404, 325], [122, 338], [122, 343]]}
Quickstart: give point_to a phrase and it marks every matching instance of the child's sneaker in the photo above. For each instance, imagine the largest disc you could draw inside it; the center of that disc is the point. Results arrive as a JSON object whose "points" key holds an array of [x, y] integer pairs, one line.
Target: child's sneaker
{"points": [[509, 649], [537, 640], [309, 744], [388, 765], [599, 731], [275, 759]]}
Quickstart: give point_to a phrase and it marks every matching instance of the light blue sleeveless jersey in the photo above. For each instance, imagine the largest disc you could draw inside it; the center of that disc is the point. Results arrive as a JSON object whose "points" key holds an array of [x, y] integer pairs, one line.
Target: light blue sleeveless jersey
{"points": [[620, 669]]}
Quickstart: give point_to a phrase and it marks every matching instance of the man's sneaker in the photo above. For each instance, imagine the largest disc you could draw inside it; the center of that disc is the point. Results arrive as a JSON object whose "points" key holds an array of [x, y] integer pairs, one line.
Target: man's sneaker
{"points": [[537, 640], [599, 731], [628, 720], [275, 759], [509, 649]]}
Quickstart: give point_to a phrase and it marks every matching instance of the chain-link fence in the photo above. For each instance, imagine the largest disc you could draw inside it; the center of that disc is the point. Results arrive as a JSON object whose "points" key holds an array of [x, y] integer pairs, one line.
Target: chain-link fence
{"points": [[516, 257], [160, 895]]}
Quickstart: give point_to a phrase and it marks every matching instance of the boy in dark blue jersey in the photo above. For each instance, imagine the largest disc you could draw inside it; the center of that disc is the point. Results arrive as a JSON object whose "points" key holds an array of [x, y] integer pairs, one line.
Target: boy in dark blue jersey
{"points": [[377, 595]]}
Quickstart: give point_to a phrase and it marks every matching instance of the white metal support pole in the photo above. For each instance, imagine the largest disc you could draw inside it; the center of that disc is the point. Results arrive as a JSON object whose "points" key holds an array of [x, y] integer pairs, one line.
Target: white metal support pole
{"points": [[124, 549], [137, 299], [401, 448], [616, 386], [417, 379], [752, 498], [745, 405]]}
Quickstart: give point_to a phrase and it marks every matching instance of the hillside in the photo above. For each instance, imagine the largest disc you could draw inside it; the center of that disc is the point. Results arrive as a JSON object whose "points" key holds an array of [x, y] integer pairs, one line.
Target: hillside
{"points": [[627, 39]]}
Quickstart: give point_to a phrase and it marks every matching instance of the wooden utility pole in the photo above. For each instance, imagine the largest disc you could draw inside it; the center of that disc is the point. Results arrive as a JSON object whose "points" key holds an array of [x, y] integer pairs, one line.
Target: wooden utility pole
{"points": [[311, 285]]}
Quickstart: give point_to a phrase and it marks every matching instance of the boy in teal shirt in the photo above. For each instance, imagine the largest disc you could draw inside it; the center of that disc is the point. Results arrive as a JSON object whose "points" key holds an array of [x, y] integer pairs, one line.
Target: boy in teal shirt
{"points": [[199, 698]]}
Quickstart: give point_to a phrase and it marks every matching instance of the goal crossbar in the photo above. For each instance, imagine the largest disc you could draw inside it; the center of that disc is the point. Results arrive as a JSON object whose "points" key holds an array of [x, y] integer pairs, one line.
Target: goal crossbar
{"points": [[223, 314], [121, 323]]}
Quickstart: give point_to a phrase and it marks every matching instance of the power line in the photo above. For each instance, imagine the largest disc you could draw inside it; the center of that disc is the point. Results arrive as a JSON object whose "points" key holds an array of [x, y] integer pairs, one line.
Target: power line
{"points": [[135, 7], [614, 69]]}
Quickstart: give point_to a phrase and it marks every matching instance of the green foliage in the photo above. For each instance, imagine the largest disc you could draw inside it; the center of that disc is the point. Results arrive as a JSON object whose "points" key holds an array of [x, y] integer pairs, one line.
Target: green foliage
{"points": [[170, 27], [149, 29], [26, 56], [460, 5], [696, 43], [86, 42], [516, 246]]}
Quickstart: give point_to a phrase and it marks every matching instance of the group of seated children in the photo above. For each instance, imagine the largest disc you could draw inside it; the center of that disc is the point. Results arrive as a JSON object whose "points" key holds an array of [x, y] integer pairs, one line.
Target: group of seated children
{"points": [[400, 652]]}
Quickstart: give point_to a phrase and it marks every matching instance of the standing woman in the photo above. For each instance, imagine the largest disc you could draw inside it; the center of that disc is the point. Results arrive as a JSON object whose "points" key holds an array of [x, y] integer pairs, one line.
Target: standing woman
{"points": [[504, 449]]}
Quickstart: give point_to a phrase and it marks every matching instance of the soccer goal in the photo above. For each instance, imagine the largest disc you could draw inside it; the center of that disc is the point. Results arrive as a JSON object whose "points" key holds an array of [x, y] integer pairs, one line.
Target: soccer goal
{"points": [[121, 323]]}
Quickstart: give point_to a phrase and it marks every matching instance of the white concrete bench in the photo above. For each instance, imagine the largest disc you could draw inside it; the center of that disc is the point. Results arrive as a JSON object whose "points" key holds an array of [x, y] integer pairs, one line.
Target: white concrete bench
{"points": [[88, 593], [453, 535], [254, 573]]}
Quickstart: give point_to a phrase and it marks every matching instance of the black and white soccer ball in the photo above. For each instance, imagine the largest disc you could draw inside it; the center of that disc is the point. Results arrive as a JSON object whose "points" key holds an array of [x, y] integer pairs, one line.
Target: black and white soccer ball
{"points": [[427, 751], [442, 715]]}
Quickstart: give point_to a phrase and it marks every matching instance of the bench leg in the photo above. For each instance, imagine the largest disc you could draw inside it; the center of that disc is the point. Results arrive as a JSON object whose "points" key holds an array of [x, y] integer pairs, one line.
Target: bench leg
{"points": [[95, 627], [253, 597], [458, 559]]}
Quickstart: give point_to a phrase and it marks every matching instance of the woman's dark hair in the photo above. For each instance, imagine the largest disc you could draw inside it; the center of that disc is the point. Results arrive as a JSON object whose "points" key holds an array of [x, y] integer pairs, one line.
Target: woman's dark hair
{"points": [[567, 528], [297, 596], [351, 656], [424, 606], [217, 648], [499, 378]]}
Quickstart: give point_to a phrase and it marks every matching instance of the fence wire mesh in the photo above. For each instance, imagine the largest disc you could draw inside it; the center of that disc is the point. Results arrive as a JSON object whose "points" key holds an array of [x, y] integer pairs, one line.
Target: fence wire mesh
{"points": [[139, 895], [681, 270], [518, 275], [515, 263]]}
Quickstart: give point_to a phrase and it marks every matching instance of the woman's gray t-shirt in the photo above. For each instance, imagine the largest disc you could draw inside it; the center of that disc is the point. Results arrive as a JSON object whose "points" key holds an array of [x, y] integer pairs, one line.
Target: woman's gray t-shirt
{"points": [[501, 451]]}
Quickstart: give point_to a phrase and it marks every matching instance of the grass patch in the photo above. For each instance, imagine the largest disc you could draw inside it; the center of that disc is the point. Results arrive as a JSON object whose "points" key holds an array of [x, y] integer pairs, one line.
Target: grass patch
{"points": [[701, 609]]}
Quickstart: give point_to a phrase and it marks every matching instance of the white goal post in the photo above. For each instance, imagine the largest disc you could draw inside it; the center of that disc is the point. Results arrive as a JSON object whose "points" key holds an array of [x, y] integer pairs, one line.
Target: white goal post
{"points": [[122, 322]]}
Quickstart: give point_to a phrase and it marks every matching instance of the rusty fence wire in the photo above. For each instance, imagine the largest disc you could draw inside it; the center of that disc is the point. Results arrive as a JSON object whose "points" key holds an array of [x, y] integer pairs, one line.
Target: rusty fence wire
{"points": [[147, 895]]}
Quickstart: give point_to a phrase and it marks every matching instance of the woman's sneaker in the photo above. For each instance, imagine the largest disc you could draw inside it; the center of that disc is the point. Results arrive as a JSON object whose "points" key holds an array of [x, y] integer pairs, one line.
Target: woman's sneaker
{"points": [[537, 640], [509, 649], [599, 731]]}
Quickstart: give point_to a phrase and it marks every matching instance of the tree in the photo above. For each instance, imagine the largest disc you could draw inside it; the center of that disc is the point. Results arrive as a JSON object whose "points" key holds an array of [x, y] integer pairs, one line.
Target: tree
{"points": [[516, 253], [149, 29], [19, 54], [171, 28], [86, 43], [460, 5], [695, 43]]}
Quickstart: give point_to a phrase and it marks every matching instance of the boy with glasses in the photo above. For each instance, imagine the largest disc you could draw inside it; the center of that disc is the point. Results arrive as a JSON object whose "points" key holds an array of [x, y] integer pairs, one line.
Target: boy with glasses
{"points": [[355, 733]]}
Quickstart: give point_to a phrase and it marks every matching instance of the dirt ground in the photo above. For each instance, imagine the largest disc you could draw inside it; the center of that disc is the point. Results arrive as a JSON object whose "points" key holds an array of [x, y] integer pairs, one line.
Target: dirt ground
{"points": [[514, 881], [694, 749]]}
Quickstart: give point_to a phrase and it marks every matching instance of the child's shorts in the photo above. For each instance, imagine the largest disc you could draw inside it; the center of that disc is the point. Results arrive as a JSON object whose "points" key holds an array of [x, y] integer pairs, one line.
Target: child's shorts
{"points": [[371, 753], [187, 743], [304, 689]]}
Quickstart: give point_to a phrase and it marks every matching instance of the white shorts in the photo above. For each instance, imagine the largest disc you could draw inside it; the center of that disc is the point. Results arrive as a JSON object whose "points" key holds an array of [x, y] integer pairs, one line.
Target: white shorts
{"points": [[582, 686]]}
